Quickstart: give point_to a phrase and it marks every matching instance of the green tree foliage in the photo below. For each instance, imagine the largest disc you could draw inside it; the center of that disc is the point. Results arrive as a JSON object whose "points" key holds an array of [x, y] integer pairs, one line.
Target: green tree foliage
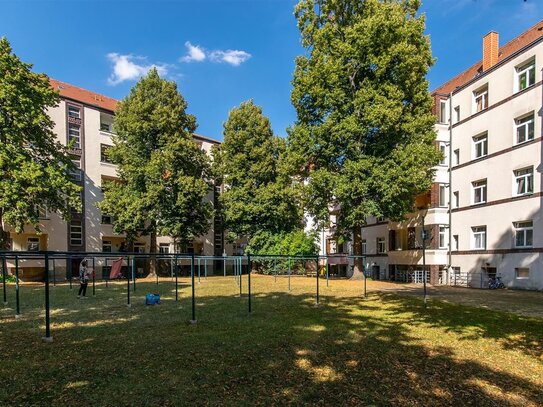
{"points": [[164, 174], [34, 165], [364, 134], [258, 196]]}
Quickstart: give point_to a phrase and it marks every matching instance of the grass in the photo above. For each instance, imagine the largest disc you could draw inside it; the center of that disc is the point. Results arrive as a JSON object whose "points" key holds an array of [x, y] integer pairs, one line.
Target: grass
{"points": [[383, 350]]}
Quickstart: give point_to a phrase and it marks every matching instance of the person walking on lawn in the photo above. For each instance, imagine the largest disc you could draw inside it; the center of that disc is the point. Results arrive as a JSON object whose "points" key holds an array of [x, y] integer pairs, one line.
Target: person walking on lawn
{"points": [[83, 279]]}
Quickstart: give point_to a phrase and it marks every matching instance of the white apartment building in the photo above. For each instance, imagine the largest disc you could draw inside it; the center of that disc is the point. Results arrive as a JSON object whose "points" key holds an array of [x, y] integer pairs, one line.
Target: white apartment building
{"points": [[484, 208], [86, 118]]}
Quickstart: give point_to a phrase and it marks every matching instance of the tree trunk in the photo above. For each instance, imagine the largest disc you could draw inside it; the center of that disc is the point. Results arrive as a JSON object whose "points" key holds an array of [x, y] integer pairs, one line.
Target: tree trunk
{"points": [[358, 270], [152, 250]]}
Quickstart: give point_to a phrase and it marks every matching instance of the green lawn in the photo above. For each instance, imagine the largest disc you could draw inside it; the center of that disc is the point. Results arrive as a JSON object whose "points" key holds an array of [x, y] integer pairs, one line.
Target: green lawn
{"points": [[383, 350]]}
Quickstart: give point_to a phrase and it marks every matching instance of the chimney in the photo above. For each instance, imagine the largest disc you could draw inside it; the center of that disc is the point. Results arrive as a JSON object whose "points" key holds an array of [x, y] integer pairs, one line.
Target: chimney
{"points": [[490, 49]]}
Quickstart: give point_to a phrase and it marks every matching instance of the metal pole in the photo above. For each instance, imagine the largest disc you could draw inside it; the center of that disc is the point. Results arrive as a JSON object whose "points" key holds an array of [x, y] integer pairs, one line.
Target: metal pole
{"points": [[4, 280], [275, 269], [199, 272], [156, 270], [240, 274], [424, 259], [54, 274], [48, 337], [365, 282], [249, 267], [107, 277], [17, 303], [327, 271], [69, 268], [317, 273], [93, 276], [128, 281], [176, 285], [193, 320], [134, 272], [289, 273], [224, 265], [205, 268]]}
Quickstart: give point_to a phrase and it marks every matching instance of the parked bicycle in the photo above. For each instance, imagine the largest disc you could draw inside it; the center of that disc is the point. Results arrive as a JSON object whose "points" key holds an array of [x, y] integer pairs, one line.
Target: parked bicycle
{"points": [[495, 283]]}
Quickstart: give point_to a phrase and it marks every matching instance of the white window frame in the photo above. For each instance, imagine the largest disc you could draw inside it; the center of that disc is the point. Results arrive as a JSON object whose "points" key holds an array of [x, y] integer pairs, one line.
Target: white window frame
{"points": [[524, 277], [480, 145], [457, 114], [74, 233], [139, 247], [164, 248], [525, 230], [381, 245], [76, 174], [527, 68], [443, 111], [524, 123], [456, 154], [478, 237], [524, 177], [481, 185], [442, 145], [443, 233], [76, 109], [443, 196], [364, 246], [75, 128], [33, 244], [455, 242], [481, 95], [456, 199]]}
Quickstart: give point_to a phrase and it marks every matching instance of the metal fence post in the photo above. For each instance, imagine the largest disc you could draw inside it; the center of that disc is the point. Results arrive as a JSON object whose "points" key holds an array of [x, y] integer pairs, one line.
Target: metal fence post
{"points": [[240, 262], [365, 282], [327, 271], [193, 320], [134, 272], [289, 272], [93, 276], [317, 273], [17, 302], [69, 270], [249, 268], [4, 280], [176, 285], [54, 274], [48, 337], [128, 281]]}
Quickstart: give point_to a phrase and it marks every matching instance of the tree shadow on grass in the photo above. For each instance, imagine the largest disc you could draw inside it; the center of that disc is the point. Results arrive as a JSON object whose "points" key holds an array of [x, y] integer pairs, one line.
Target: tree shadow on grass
{"points": [[348, 351]]}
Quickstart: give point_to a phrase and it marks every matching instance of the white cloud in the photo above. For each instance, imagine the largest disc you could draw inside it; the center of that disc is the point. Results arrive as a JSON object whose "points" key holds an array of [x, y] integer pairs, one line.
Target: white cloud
{"points": [[194, 53], [125, 68], [230, 56]]}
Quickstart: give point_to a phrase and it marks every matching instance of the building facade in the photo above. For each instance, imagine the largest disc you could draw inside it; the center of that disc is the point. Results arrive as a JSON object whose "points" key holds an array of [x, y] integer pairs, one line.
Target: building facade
{"points": [[483, 213], [84, 119]]}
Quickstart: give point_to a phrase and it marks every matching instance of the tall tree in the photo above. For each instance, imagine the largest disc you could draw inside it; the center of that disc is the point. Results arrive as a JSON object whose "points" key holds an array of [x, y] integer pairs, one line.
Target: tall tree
{"points": [[34, 165], [364, 134], [164, 174], [258, 196]]}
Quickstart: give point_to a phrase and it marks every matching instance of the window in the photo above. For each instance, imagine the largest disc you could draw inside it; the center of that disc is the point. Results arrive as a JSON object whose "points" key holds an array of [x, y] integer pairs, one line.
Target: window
{"points": [[139, 247], [524, 128], [364, 246], [107, 220], [522, 272], [443, 237], [524, 234], [479, 237], [42, 212], [76, 233], [480, 99], [75, 173], [107, 246], [456, 154], [380, 219], [381, 245], [479, 191], [457, 114], [524, 181], [443, 151], [455, 242], [74, 112], [74, 135], [105, 127], [480, 145], [33, 244], [106, 122], [164, 248], [443, 111], [218, 240], [525, 75], [443, 195], [104, 149], [456, 199]]}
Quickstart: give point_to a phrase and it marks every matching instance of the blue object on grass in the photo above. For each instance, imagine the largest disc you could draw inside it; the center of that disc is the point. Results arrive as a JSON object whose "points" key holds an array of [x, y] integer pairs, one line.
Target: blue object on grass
{"points": [[152, 299]]}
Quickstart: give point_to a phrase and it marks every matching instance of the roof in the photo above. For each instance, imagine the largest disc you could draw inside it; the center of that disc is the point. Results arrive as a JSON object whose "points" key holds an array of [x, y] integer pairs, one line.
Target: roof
{"points": [[84, 96], [516, 44], [95, 99]]}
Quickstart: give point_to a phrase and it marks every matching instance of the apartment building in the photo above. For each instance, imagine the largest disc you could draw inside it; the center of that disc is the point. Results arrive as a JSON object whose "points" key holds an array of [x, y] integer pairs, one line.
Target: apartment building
{"points": [[483, 213], [85, 118]]}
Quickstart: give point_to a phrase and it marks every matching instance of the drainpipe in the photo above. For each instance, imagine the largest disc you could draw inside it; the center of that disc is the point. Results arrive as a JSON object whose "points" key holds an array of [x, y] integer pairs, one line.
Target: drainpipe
{"points": [[449, 260]]}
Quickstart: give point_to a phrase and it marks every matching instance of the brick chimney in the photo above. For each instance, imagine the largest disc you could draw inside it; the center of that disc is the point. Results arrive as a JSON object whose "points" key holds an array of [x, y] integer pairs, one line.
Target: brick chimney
{"points": [[490, 49]]}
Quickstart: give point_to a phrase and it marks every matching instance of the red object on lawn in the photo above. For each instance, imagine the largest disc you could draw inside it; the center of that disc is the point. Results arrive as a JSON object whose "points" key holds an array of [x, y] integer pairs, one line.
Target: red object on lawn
{"points": [[116, 269]]}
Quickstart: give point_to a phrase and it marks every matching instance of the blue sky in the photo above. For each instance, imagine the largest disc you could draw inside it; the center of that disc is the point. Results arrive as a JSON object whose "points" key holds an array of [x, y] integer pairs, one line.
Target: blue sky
{"points": [[220, 52]]}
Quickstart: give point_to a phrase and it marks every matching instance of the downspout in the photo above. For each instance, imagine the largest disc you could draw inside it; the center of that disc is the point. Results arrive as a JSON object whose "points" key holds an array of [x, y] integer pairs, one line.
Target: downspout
{"points": [[449, 260]]}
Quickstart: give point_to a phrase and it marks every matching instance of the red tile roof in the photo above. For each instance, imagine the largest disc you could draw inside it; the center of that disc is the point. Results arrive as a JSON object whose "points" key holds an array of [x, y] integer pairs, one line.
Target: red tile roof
{"points": [[84, 96], [524, 39]]}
